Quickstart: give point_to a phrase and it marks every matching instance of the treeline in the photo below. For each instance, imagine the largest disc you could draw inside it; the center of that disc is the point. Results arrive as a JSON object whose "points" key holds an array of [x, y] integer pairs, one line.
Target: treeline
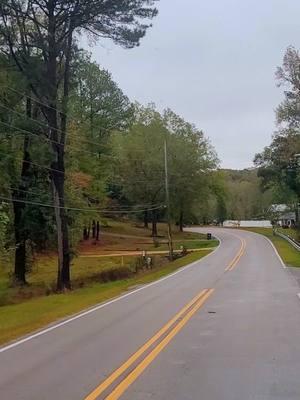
{"points": [[250, 194], [246, 198], [73, 148], [279, 164]]}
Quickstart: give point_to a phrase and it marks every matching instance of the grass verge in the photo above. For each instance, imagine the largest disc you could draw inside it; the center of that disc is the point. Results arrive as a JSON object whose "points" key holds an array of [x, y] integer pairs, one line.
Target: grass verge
{"points": [[288, 253], [20, 319]]}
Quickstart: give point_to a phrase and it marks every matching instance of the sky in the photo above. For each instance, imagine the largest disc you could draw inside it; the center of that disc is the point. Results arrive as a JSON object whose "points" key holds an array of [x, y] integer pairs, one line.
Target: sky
{"points": [[213, 63]]}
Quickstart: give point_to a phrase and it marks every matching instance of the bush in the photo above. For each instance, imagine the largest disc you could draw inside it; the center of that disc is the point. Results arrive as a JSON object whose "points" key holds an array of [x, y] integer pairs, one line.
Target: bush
{"points": [[116, 274]]}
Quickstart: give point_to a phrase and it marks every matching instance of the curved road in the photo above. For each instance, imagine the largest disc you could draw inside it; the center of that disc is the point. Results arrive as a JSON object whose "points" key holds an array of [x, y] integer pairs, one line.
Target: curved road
{"points": [[225, 328]]}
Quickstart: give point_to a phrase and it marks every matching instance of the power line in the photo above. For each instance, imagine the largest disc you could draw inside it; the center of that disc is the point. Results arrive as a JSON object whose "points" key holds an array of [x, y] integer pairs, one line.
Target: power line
{"points": [[70, 174], [53, 108], [146, 181], [56, 129], [80, 209], [51, 127], [41, 137], [32, 98], [106, 209], [32, 163], [56, 170]]}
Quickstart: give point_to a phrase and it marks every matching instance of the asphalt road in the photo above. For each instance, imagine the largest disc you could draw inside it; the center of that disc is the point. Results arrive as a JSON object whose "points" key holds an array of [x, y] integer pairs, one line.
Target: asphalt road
{"points": [[238, 339]]}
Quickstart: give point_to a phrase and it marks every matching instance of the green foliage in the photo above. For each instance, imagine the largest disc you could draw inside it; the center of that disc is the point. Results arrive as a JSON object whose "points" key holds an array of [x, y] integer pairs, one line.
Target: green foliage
{"points": [[4, 221], [39, 40], [97, 102], [139, 160], [279, 163], [191, 161], [140, 169], [245, 197]]}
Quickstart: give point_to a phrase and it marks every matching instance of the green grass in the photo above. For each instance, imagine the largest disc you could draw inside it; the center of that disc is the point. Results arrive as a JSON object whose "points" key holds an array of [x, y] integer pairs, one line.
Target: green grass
{"points": [[42, 278], [288, 253], [293, 233], [86, 270], [20, 319], [188, 244], [129, 228]]}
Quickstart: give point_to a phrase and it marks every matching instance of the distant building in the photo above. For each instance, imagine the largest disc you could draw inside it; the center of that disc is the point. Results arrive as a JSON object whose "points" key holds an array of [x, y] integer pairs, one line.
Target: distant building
{"points": [[285, 216], [247, 224]]}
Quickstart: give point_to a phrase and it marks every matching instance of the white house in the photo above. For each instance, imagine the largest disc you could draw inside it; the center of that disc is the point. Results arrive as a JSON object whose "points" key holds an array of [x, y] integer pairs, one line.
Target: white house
{"points": [[285, 215]]}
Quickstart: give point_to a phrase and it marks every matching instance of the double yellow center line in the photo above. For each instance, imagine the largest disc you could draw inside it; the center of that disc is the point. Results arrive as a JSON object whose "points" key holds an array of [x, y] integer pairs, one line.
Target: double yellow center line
{"points": [[166, 333], [237, 258], [120, 380]]}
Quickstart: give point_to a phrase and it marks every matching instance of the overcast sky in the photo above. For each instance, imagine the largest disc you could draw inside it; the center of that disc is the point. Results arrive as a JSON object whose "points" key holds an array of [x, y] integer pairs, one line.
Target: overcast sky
{"points": [[212, 62]]}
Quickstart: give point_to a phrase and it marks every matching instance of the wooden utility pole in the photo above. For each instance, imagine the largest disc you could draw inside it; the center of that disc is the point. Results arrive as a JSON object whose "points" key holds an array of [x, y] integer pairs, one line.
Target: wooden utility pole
{"points": [[170, 241]]}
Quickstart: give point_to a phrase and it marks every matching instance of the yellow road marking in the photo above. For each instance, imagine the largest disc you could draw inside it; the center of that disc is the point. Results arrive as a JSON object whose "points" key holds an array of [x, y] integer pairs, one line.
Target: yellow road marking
{"points": [[123, 386], [193, 305], [118, 372], [237, 258]]}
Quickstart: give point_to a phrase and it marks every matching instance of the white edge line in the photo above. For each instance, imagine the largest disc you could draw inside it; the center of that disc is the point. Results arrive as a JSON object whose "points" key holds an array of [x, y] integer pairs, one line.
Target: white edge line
{"points": [[102, 305], [276, 252], [273, 246], [281, 261]]}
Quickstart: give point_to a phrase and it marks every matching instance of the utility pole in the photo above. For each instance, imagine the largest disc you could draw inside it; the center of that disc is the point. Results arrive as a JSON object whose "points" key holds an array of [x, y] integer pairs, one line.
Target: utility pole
{"points": [[170, 241]]}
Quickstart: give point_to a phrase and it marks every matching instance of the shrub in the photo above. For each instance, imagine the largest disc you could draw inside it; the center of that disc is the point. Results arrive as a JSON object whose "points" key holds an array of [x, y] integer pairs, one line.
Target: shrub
{"points": [[116, 274]]}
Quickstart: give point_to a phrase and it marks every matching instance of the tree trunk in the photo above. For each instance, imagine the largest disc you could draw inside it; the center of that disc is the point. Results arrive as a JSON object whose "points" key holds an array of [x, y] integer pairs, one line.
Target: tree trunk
{"points": [[20, 250], [89, 231], [63, 275], [85, 233], [146, 221], [297, 215], [181, 221], [59, 141], [154, 223], [58, 188], [98, 231], [19, 211]]}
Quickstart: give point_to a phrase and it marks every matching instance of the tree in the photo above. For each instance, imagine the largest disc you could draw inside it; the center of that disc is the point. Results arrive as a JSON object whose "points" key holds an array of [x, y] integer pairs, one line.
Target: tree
{"points": [[139, 166], [97, 103], [288, 76], [15, 120], [40, 37], [141, 163], [97, 108], [4, 220], [278, 163], [188, 180], [279, 168]]}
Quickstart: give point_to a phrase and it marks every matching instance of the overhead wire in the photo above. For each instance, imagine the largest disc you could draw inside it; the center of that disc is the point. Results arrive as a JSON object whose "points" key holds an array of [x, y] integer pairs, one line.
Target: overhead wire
{"points": [[32, 98], [55, 170], [56, 129], [33, 163], [106, 209], [47, 139], [81, 209], [42, 137], [53, 108]]}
